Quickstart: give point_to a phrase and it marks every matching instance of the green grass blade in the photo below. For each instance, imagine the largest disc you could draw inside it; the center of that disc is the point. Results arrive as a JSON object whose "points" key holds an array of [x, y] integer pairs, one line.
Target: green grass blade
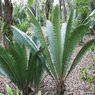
{"points": [[37, 28]]}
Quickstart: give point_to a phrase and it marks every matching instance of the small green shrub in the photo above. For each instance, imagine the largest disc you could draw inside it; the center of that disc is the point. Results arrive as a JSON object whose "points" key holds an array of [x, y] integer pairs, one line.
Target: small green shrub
{"points": [[87, 75], [9, 91], [23, 25]]}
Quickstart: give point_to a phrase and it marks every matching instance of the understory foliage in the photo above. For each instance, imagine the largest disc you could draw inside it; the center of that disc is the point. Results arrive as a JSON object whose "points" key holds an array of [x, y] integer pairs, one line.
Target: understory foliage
{"points": [[62, 40], [87, 73], [20, 19], [9, 91]]}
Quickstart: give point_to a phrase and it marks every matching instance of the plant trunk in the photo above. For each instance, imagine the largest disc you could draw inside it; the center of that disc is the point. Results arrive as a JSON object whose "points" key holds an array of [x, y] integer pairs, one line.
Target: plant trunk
{"points": [[47, 8], [27, 91], [36, 8], [1, 15], [0, 8], [60, 87], [8, 20], [63, 10]]}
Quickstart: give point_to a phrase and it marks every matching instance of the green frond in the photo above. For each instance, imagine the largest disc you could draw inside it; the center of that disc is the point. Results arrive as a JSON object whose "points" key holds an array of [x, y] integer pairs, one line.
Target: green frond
{"points": [[37, 27], [65, 34], [69, 25], [7, 64], [72, 42], [63, 37], [81, 53], [18, 53], [21, 38], [41, 38], [49, 30], [57, 38], [35, 68]]}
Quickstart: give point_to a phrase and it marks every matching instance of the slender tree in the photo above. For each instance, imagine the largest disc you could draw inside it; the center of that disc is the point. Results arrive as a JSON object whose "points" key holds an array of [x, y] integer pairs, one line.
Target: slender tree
{"points": [[63, 10], [91, 4], [48, 7], [8, 9], [0, 19], [0, 8], [37, 6]]}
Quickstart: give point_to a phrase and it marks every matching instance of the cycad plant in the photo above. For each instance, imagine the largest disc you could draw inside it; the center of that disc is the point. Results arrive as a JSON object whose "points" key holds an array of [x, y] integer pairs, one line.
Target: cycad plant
{"points": [[62, 40], [23, 69]]}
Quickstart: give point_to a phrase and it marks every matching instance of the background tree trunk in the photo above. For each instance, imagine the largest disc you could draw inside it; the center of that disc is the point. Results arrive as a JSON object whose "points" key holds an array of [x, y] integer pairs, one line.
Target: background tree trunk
{"points": [[8, 20], [63, 10], [0, 21], [0, 8], [47, 8], [8, 10], [37, 9]]}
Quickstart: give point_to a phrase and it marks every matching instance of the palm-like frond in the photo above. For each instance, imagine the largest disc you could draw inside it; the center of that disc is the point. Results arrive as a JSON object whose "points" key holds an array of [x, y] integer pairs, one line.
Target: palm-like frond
{"points": [[35, 68], [18, 53], [22, 38], [37, 28], [57, 38], [85, 49], [5, 61], [54, 38], [41, 38], [71, 44]]}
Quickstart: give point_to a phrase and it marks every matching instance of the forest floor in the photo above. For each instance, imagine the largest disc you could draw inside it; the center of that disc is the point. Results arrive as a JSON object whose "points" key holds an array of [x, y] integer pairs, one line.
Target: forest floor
{"points": [[74, 85]]}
